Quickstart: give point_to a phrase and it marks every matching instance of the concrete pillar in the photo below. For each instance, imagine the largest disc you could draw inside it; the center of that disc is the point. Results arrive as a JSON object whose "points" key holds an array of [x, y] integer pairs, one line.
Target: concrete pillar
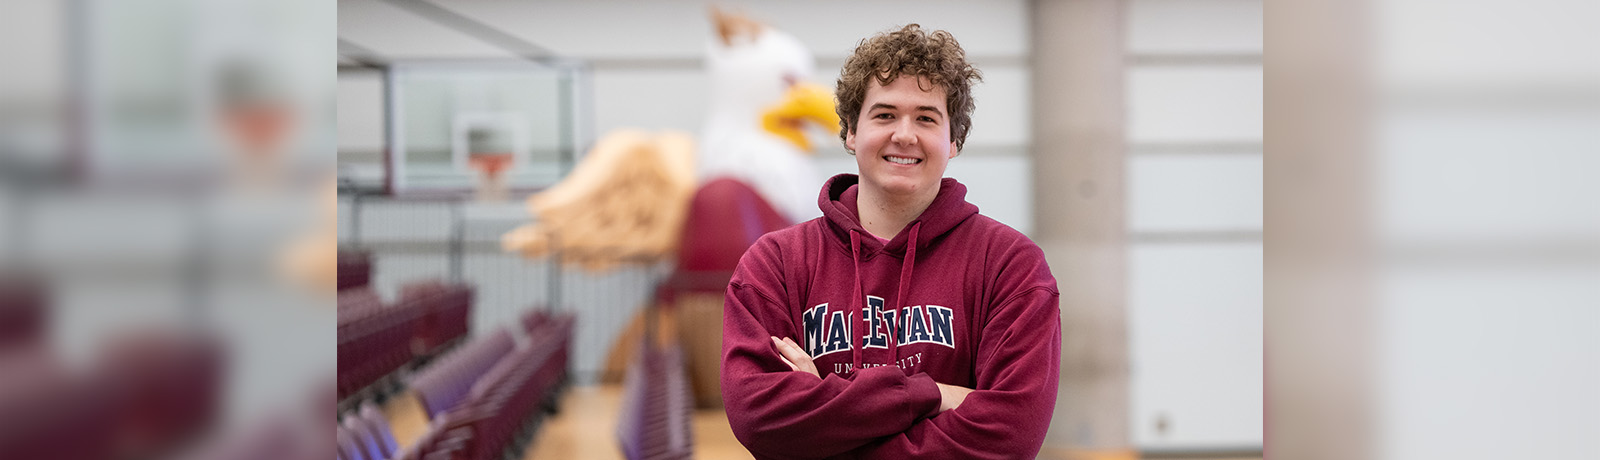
{"points": [[1319, 323], [1079, 150]]}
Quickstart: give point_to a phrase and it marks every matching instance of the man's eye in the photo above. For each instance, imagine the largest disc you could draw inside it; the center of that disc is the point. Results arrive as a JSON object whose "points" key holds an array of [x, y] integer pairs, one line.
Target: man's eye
{"points": [[883, 116], [928, 119]]}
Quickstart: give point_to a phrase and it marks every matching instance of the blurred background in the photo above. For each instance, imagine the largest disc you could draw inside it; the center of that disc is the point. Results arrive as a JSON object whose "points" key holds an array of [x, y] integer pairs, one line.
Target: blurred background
{"points": [[168, 179], [196, 210], [1124, 137]]}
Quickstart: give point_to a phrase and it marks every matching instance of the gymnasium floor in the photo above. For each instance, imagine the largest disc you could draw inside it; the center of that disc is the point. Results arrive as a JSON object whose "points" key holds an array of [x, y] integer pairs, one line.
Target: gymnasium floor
{"points": [[586, 429]]}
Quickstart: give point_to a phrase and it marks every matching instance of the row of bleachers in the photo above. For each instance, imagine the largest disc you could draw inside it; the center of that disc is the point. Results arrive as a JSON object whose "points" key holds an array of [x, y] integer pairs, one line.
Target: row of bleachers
{"points": [[449, 308], [503, 406], [148, 394], [445, 383], [365, 435], [376, 340], [354, 269], [22, 310], [657, 405]]}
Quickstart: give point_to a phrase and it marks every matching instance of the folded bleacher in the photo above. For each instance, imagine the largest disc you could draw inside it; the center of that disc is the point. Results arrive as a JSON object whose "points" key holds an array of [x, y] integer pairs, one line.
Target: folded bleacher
{"points": [[146, 395], [22, 310], [504, 404], [364, 435], [657, 406], [447, 308], [377, 340], [354, 269], [446, 382]]}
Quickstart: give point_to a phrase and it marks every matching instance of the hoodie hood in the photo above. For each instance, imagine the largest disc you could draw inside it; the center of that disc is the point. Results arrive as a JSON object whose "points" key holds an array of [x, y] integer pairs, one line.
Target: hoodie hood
{"points": [[948, 210], [838, 202]]}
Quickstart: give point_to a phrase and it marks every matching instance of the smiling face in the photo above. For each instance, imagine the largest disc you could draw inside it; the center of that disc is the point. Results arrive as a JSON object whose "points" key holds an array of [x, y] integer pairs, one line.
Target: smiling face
{"points": [[902, 139]]}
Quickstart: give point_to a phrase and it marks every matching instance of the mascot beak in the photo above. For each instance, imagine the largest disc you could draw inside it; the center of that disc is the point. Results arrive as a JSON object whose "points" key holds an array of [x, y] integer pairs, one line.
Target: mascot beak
{"points": [[803, 102]]}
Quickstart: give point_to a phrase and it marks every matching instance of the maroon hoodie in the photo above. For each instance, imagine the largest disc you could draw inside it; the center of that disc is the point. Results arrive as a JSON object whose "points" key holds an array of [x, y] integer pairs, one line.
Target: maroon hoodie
{"points": [[971, 304]]}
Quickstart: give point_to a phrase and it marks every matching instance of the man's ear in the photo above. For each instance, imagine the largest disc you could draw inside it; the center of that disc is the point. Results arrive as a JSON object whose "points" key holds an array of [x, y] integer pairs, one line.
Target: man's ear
{"points": [[850, 140], [955, 150]]}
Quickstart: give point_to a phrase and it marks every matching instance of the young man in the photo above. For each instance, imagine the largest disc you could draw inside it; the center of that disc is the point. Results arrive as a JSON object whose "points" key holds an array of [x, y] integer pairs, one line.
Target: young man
{"points": [[902, 323]]}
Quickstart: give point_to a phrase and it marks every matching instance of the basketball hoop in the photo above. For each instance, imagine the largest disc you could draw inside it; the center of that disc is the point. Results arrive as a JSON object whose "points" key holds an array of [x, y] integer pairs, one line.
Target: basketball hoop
{"points": [[489, 166]]}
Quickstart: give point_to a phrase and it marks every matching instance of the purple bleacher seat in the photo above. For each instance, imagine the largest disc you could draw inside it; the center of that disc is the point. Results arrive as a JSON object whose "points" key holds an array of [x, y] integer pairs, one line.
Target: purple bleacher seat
{"points": [[347, 444], [533, 319], [361, 434], [442, 385], [374, 343], [57, 416], [448, 309], [23, 310], [519, 395], [379, 427], [354, 269], [656, 406], [503, 398], [496, 405], [167, 388]]}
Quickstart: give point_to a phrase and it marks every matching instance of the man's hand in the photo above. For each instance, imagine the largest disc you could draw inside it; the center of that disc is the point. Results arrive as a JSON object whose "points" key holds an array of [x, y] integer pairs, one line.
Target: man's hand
{"points": [[951, 396], [796, 358]]}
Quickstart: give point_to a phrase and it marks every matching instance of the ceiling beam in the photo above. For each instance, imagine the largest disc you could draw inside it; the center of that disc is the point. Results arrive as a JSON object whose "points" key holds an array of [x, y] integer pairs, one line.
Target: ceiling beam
{"points": [[361, 56], [477, 29]]}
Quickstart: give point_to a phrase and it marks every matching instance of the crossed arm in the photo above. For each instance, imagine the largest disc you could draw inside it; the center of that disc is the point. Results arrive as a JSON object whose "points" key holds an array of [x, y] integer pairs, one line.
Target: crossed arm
{"points": [[781, 407], [950, 396]]}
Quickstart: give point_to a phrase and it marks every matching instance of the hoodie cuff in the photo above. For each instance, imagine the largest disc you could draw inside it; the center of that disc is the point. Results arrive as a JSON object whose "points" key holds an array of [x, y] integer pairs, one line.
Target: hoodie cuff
{"points": [[924, 395]]}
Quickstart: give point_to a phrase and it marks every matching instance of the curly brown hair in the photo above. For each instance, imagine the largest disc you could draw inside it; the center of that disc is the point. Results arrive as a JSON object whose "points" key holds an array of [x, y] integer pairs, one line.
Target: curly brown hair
{"points": [[909, 51]]}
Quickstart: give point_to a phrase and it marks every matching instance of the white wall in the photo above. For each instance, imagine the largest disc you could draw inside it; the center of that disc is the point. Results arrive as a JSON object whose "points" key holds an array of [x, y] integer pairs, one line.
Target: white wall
{"points": [[1194, 127], [1488, 335], [360, 111]]}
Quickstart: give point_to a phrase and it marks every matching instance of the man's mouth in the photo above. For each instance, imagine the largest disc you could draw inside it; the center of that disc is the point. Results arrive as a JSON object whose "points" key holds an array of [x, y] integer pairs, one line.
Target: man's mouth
{"points": [[902, 160]]}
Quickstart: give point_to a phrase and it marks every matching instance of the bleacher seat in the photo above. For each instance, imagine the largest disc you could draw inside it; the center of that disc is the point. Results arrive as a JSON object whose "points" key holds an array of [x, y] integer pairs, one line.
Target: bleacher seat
{"points": [[348, 450], [355, 269], [494, 414], [22, 310], [443, 384]]}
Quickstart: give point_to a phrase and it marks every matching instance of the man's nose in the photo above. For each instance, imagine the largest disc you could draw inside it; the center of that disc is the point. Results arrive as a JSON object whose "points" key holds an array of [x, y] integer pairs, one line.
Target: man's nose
{"points": [[903, 134]]}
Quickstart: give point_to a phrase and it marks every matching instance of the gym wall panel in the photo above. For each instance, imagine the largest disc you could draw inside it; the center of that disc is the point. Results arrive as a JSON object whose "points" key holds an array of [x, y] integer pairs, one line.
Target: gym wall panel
{"points": [[35, 72], [1195, 26], [1487, 337], [85, 228], [1003, 107], [1502, 352], [1431, 173], [1486, 42], [1195, 340], [650, 99], [1001, 186], [1194, 100], [1178, 193], [360, 99], [1179, 104]]}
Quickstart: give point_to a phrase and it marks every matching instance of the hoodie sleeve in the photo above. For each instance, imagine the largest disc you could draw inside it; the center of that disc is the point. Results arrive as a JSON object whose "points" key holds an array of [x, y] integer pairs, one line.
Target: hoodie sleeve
{"points": [[779, 413], [1008, 413]]}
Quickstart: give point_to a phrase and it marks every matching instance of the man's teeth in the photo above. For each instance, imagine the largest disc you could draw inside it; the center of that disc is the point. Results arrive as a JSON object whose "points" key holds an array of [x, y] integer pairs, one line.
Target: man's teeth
{"points": [[904, 161]]}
